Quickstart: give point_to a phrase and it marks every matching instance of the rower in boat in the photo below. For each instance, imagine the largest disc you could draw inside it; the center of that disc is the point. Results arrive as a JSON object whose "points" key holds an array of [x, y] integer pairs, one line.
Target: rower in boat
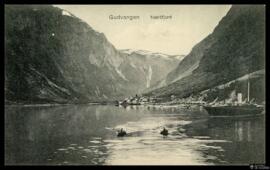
{"points": [[164, 132], [122, 133]]}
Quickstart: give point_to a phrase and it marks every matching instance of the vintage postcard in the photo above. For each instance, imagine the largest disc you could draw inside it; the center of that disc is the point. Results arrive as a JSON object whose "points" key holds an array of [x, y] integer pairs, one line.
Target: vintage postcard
{"points": [[135, 85]]}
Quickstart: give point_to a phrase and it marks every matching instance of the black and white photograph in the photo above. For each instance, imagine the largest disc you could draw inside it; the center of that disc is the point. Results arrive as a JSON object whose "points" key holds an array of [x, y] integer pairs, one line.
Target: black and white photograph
{"points": [[180, 84]]}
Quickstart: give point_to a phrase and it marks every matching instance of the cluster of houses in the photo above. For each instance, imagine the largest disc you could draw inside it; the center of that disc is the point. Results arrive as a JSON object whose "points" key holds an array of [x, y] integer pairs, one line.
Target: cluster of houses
{"points": [[137, 100], [140, 100]]}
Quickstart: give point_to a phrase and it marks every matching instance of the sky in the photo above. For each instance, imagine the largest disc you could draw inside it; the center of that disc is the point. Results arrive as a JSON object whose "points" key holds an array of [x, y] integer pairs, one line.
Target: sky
{"points": [[189, 24]]}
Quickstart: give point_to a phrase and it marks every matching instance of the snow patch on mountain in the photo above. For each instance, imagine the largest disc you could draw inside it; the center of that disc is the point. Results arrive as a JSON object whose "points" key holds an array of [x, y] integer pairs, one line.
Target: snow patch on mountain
{"points": [[149, 76], [121, 74], [151, 54], [66, 13], [179, 57]]}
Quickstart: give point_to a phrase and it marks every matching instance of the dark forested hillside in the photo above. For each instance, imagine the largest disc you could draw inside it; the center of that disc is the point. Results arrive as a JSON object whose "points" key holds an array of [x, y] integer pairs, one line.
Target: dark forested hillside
{"points": [[52, 56]]}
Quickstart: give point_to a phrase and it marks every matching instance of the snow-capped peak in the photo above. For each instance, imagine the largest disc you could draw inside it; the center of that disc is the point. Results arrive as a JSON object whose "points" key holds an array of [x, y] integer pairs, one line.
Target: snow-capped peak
{"points": [[179, 57], [150, 53], [64, 12], [143, 52]]}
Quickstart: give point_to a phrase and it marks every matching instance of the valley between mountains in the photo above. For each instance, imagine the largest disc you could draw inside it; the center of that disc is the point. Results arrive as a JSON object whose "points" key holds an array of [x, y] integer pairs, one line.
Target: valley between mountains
{"points": [[51, 56]]}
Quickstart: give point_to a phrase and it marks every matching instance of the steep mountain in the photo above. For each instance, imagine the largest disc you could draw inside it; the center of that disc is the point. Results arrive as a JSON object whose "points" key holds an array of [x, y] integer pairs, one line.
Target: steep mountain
{"points": [[144, 69], [236, 47], [53, 56], [191, 62]]}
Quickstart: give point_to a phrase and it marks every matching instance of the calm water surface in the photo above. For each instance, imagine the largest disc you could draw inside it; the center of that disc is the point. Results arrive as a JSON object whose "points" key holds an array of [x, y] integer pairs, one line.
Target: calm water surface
{"points": [[86, 135]]}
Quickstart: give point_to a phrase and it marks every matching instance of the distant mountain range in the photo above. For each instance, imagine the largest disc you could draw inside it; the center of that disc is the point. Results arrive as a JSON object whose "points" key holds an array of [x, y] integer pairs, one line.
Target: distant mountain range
{"points": [[145, 69], [235, 48], [51, 56], [154, 54]]}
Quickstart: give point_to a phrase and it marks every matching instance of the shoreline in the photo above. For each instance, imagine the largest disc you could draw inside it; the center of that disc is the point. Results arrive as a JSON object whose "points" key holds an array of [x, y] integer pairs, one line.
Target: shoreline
{"points": [[51, 105], [101, 103]]}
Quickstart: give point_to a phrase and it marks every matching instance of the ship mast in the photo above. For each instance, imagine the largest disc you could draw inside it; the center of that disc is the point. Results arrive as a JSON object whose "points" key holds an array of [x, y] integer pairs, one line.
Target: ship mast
{"points": [[224, 90], [248, 90]]}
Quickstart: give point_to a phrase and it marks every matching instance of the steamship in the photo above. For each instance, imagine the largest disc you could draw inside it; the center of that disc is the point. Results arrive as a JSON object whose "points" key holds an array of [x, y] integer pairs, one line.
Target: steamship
{"points": [[236, 109]]}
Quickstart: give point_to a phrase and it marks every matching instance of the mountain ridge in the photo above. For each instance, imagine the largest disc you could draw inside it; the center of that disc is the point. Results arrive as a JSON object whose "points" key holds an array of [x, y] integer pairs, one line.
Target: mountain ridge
{"points": [[235, 48]]}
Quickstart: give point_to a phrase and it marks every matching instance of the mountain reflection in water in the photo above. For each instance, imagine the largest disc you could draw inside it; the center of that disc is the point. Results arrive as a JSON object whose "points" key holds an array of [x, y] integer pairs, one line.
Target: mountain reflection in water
{"points": [[86, 135]]}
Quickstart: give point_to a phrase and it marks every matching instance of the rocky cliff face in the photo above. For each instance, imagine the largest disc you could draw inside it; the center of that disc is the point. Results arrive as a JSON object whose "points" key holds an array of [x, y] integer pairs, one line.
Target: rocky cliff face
{"points": [[54, 57], [235, 48]]}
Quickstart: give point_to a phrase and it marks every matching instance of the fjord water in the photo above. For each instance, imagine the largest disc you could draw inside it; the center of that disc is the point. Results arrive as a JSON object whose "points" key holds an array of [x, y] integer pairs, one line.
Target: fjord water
{"points": [[86, 135]]}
